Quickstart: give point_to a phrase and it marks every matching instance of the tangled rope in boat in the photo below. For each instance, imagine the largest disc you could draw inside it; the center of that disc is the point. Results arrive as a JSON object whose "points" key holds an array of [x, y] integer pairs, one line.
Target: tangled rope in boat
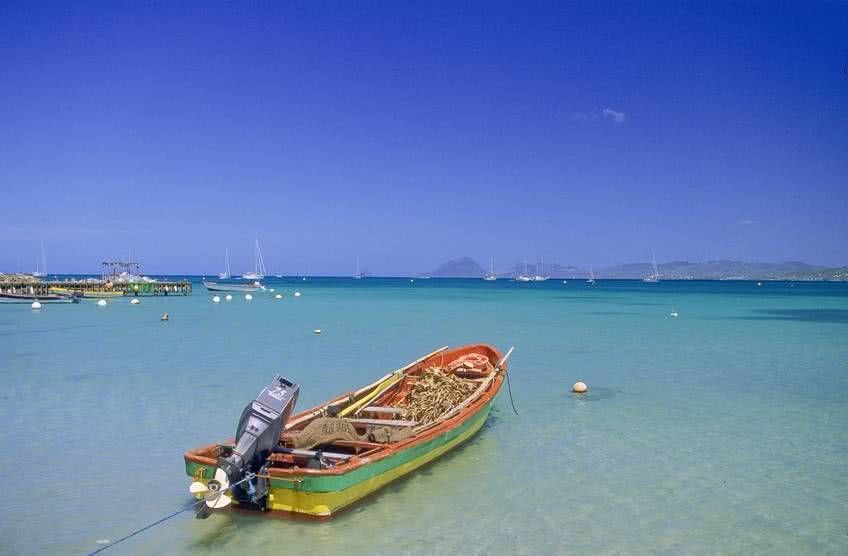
{"points": [[475, 362], [434, 393]]}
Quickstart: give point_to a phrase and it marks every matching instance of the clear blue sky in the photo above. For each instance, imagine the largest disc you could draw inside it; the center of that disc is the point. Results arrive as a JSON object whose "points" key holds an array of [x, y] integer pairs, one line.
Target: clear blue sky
{"points": [[408, 133]]}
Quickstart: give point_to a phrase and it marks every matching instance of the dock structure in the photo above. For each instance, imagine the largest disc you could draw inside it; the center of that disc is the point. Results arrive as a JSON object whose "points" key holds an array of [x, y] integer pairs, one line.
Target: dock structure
{"points": [[118, 278], [94, 288]]}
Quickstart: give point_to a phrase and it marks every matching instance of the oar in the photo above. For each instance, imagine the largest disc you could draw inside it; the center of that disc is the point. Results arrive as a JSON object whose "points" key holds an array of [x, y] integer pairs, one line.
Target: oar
{"points": [[371, 395], [346, 398]]}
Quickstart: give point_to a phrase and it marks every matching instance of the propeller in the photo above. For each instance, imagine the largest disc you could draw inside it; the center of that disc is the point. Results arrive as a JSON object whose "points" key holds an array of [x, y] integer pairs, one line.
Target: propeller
{"points": [[213, 493]]}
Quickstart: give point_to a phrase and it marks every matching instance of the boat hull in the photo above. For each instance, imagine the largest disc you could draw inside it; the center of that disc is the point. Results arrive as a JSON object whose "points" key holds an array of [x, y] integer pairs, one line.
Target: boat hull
{"points": [[88, 294], [322, 494], [215, 287]]}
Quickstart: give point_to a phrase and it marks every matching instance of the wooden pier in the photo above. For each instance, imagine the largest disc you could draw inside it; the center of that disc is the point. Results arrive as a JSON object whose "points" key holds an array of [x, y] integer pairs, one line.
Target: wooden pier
{"points": [[118, 278], [97, 288]]}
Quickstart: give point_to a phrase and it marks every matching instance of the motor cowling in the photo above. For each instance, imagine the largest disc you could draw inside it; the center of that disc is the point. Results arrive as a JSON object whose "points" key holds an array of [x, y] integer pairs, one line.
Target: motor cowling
{"points": [[257, 434]]}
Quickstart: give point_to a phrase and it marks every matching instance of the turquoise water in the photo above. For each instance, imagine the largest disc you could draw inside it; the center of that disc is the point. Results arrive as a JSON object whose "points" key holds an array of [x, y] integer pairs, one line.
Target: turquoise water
{"points": [[724, 430]]}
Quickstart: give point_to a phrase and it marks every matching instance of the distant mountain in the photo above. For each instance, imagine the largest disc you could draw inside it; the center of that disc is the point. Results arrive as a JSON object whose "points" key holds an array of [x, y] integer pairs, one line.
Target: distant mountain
{"points": [[466, 267], [724, 270], [727, 270]]}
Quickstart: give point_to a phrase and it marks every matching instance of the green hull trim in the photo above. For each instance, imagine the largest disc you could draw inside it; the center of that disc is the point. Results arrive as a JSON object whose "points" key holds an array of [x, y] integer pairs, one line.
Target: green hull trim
{"points": [[335, 483]]}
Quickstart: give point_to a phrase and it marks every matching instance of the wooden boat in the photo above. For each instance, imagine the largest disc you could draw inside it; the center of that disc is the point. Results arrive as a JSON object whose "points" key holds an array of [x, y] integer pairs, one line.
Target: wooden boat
{"points": [[90, 294], [29, 298], [356, 469]]}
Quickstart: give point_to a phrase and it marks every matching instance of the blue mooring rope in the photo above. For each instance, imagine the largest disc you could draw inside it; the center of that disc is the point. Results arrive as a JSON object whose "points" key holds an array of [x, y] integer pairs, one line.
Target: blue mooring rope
{"points": [[146, 527]]}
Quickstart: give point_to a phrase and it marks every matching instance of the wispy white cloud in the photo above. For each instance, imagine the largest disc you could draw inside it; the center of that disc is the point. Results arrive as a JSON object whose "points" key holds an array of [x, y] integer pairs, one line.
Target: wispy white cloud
{"points": [[584, 117], [607, 114], [614, 115]]}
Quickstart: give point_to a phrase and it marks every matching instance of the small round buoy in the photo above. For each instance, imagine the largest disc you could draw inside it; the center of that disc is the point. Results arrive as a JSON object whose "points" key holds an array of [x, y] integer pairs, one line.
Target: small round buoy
{"points": [[317, 331], [229, 297], [297, 294], [135, 301], [271, 290], [101, 303], [411, 280], [164, 316], [579, 388], [216, 299], [36, 305], [278, 296], [248, 297], [759, 283]]}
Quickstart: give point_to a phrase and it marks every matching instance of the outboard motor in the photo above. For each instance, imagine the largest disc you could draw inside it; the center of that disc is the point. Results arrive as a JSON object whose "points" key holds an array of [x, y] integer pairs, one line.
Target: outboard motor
{"points": [[258, 433]]}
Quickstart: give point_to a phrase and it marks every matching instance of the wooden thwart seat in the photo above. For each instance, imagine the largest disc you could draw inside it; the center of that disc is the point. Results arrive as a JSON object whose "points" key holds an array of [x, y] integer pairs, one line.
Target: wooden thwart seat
{"points": [[385, 422], [312, 453], [384, 410]]}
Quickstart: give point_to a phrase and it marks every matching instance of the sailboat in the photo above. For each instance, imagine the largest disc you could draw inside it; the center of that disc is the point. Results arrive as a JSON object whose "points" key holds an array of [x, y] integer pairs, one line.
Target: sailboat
{"points": [[358, 275], [226, 274], [258, 266], [490, 276], [524, 276], [655, 277], [41, 271], [591, 280], [540, 276]]}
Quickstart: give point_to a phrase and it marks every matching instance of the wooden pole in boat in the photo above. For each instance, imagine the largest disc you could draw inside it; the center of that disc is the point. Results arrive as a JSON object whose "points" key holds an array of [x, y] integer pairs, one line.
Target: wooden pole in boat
{"points": [[477, 393], [347, 397]]}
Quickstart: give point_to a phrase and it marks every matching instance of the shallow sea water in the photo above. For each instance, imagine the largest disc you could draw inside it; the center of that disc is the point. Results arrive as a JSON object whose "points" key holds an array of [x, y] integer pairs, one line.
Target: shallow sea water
{"points": [[724, 430]]}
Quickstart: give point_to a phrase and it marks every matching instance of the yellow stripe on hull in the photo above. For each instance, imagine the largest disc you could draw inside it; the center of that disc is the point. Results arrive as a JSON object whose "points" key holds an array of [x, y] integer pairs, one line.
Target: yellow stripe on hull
{"points": [[324, 504]]}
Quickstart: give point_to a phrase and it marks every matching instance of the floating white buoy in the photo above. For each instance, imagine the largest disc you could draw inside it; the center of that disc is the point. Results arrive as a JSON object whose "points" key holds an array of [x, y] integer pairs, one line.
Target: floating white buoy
{"points": [[271, 290], [134, 301], [759, 283], [297, 294], [229, 297], [411, 280], [248, 297], [565, 281], [317, 331], [579, 388], [101, 303], [36, 305], [674, 314], [164, 316], [216, 299], [278, 296]]}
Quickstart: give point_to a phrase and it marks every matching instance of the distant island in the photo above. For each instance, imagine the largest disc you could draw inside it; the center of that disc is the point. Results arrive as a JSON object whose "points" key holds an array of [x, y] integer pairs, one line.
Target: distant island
{"points": [[466, 267]]}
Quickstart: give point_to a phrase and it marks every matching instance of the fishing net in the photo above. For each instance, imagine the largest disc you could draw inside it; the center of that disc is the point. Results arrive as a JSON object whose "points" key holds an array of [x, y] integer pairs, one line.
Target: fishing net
{"points": [[434, 393], [325, 430]]}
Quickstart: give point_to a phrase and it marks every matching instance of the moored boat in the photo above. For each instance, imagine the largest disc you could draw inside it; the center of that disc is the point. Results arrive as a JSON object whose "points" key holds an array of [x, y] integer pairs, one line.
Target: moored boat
{"points": [[89, 294], [222, 287], [325, 459], [29, 298]]}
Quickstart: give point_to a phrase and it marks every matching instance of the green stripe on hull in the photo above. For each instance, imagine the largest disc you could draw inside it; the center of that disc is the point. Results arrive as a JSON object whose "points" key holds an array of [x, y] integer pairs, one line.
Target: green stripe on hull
{"points": [[335, 483]]}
